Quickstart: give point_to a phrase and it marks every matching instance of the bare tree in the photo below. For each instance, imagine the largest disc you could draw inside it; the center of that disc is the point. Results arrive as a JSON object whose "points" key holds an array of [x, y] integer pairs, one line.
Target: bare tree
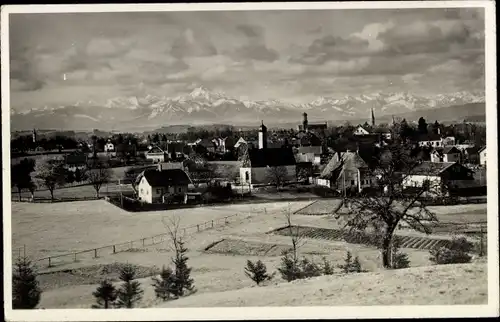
{"points": [[277, 175], [296, 237], [99, 175], [383, 212]]}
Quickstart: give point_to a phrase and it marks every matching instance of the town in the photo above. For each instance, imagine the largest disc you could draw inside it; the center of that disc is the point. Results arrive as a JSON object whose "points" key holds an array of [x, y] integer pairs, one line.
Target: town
{"points": [[249, 158]]}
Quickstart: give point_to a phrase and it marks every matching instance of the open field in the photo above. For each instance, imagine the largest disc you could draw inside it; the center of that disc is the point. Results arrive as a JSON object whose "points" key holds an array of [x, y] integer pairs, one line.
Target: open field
{"points": [[51, 229]]}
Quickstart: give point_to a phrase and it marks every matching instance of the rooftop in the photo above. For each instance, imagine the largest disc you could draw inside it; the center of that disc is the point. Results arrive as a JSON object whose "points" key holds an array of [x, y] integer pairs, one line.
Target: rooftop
{"points": [[166, 178], [271, 157]]}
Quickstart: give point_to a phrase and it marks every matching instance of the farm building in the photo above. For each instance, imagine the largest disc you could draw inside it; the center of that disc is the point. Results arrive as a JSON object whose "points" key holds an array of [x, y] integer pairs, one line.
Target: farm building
{"points": [[471, 155], [75, 160], [156, 154], [451, 174], [447, 154], [162, 186], [346, 171]]}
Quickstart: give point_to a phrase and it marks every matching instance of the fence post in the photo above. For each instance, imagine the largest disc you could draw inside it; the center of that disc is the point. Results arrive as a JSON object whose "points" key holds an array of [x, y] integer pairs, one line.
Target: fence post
{"points": [[198, 227], [114, 249], [212, 224], [49, 263], [95, 252]]}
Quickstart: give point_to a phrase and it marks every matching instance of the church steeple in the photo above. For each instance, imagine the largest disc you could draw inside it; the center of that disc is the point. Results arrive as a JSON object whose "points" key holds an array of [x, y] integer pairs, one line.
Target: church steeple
{"points": [[373, 118], [262, 136]]}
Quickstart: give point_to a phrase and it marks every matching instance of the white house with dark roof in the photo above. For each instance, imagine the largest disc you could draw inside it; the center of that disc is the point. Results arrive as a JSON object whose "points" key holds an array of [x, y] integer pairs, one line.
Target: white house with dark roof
{"points": [[156, 154], [309, 154], [160, 186], [439, 174], [446, 154], [361, 131]]}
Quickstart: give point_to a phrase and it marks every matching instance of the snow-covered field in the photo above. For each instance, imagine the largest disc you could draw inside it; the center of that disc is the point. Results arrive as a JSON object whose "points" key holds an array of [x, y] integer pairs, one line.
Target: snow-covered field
{"points": [[63, 227]]}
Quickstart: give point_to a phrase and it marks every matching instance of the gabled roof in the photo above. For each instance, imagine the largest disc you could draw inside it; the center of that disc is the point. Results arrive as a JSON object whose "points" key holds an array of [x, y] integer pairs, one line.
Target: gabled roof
{"points": [[482, 149], [345, 161], [166, 178], [431, 168], [310, 149], [450, 149], [271, 157], [472, 150], [429, 137], [155, 149], [207, 143], [239, 142]]}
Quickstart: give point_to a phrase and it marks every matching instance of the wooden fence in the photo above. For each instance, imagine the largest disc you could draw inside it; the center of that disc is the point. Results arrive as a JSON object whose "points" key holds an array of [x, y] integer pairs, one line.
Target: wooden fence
{"points": [[97, 252]]}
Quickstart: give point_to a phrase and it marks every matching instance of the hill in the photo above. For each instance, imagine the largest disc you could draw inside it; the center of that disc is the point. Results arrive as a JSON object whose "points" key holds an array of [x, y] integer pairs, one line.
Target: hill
{"points": [[465, 284]]}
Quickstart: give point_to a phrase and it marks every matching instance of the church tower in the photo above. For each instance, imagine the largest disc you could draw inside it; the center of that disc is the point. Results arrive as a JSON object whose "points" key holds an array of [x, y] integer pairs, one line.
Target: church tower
{"points": [[34, 136], [373, 118], [304, 122], [262, 136]]}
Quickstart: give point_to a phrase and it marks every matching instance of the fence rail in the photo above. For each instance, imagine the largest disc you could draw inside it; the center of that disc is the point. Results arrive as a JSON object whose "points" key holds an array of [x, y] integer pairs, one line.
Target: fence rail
{"points": [[97, 252]]}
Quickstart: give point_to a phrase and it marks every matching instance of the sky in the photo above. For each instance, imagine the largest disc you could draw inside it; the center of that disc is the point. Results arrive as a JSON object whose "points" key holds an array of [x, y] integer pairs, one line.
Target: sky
{"points": [[293, 56]]}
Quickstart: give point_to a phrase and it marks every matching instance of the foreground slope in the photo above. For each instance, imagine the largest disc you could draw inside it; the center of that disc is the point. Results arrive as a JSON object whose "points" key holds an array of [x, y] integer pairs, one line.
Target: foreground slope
{"points": [[430, 285]]}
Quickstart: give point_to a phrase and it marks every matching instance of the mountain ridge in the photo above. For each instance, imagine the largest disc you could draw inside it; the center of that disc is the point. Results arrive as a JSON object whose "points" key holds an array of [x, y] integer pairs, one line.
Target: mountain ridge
{"points": [[203, 106]]}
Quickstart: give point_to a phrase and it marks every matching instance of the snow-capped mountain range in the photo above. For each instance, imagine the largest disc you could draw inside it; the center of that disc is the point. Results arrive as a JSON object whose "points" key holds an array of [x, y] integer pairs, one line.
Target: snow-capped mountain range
{"points": [[202, 106]]}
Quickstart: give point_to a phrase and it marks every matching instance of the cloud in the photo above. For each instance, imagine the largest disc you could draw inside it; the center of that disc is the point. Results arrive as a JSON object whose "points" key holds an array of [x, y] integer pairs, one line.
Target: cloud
{"points": [[190, 44], [254, 47]]}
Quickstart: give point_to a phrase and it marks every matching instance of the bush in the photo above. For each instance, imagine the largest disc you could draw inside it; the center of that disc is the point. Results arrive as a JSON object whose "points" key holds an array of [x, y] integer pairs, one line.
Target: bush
{"points": [[257, 272], [26, 292], [130, 291], [309, 269], [105, 295], [350, 265], [456, 252], [165, 284], [399, 259]]}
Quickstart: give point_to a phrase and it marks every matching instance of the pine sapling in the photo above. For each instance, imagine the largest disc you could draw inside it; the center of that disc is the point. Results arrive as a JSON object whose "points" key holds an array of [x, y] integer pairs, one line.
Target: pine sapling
{"points": [[346, 267], [327, 267], [26, 292], [257, 271], [130, 291], [105, 295], [356, 266], [309, 269], [183, 281], [399, 259], [165, 284], [289, 268]]}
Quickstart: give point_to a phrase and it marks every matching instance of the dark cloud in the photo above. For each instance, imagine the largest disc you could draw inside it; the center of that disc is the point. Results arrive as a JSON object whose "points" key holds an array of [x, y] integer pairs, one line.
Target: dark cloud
{"points": [[255, 46]]}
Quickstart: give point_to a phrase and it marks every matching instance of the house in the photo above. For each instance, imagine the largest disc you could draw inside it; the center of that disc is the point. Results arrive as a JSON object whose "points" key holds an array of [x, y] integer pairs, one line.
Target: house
{"points": [[109, 146], [220, 144], [446, 154], [360, 131], [309, 154], [240, 142], [471, 155], [347, 171], [258, 164], [482, 156], [162, 186], [124, 150], [207, 145], [439, 175], [75, 160], [156, 154], [431, 140]]}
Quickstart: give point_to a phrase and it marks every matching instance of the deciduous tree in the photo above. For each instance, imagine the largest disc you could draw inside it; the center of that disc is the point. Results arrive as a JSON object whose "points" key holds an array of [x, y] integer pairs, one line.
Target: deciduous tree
{"points": [[98, 175], [49, 172]]}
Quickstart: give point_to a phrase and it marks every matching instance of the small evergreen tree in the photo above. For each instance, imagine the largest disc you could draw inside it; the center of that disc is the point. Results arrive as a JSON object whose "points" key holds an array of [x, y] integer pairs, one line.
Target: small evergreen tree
{"points": [[26, 292], [257, 271], [350, 265], [289, 268], [105, 295], [356, 266], [183, 281], [309, 269], [164, 284], [130, 291], [327, 267], [399, 259], [347, 263]]}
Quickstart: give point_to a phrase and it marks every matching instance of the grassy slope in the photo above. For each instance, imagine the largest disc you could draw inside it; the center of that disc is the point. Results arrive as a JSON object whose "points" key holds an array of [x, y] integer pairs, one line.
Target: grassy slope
{"points": [[443, 285]]}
